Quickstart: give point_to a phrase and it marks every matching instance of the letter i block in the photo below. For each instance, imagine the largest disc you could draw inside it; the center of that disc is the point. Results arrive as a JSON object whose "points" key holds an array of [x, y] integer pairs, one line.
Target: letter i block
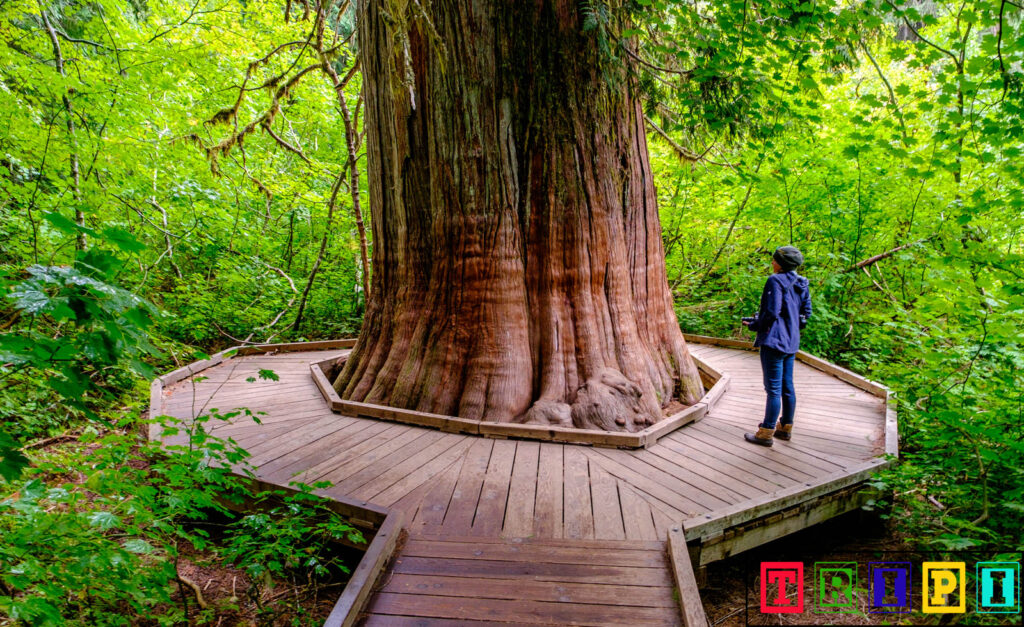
{"points": [[890, 587], [997, 586]]}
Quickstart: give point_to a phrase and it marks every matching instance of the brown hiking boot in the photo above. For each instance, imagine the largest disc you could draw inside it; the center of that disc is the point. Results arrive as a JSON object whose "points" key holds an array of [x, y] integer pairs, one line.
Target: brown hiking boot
{"points": [[784, 432], [762, 437]]}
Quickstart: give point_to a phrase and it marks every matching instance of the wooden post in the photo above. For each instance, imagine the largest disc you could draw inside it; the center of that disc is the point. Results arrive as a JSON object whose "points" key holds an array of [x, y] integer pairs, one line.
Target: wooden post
{"points": [[682, 568]]}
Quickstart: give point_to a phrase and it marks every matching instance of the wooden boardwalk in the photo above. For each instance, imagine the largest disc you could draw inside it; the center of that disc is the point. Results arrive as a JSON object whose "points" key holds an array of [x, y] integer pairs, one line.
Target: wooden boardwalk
{"points": [[548, 533]]}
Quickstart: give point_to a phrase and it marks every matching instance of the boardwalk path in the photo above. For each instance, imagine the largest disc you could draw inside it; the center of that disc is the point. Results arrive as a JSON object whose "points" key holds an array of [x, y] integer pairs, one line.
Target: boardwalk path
{"points": [[527, 531]]}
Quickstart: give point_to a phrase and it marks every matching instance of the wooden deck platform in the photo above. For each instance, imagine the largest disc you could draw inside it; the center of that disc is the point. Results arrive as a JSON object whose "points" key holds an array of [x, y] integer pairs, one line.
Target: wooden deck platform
{"points": [[550, 533]]}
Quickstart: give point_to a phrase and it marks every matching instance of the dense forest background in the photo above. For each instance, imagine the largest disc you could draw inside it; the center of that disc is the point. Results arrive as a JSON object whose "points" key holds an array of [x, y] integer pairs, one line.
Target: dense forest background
{"points": [[180, 177]]}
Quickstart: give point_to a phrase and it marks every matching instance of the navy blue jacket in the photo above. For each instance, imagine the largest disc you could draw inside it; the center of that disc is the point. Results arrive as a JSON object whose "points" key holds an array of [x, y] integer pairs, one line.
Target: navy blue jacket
{"points": [[785, 309]]}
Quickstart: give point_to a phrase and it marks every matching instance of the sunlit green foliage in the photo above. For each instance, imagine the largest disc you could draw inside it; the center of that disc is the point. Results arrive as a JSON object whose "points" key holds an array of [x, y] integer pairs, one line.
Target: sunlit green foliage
{"points": [[910, 147]]}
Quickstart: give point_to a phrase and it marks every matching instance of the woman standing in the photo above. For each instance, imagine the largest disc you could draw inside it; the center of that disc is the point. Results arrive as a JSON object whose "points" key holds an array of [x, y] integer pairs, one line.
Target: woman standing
{"points": [[785, 309]]}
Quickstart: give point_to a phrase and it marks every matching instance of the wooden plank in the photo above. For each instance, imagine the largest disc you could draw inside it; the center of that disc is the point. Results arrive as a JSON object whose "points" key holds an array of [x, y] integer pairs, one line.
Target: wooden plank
{"points": [[327, 390], [718, 341], [708, 480], [853, 418], [156, 393], [794, 455], [515, 611], [377, 439], [663, 522], [535, 571], [738, 454], [490, 510], [435, 502], [522, 491], [408, 501], [711, 523], [357, 591], [705, 368], [623, 545], [814, 430], [390, 496], [328, 447], [652, 469], [578, 517], [575, 593], [728, 436], [863, 425], [462, 508], [742, 362], [242, 425], [693, 475], [566, 435], [287, 347], [665, 426], [653, 483], [817, 443], [348, 480], [892, 446], [450, 424], [239, 386], [773, 529], [717, 392], [197, 366], [294, 439], [638, 522], [566, 553], [839, 372], [267, 435], [300, 403], [548, 509], [261, 402], [718, 468], [686, 582], [383, 620], [604, 494], [405, 465]]}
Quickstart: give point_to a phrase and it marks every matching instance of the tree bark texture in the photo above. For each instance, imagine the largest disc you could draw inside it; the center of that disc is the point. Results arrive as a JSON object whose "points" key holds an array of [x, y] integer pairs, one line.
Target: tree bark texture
{"points": [[518, 267]]}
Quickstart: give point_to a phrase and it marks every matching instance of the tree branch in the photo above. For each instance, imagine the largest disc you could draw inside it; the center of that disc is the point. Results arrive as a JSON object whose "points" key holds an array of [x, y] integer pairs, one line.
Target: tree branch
{"points": [[879, 257], [683, 152], [888, 87], [918, 35]]}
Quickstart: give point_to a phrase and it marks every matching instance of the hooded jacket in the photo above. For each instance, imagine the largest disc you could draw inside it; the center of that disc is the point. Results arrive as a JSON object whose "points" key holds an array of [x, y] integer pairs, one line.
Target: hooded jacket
{"points": [[785, 309]]}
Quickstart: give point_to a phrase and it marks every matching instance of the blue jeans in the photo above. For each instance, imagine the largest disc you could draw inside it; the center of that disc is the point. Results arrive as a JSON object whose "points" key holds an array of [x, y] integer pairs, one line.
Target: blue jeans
{"points": [[777, 368]]}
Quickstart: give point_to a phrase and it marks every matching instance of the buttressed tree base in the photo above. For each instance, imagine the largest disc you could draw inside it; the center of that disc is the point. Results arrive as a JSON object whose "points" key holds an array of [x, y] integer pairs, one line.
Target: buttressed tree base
{"points": [[518, 267]]}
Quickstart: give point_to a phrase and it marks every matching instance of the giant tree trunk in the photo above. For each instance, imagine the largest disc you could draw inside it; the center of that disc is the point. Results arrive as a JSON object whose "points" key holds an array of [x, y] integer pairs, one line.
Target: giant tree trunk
{"points": [[518, 268]]}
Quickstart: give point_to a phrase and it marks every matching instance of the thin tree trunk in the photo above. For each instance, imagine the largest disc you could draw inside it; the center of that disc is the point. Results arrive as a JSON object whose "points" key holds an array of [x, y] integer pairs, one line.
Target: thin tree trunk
{"points": [[320, 253], [351, 140], [76, 189]]}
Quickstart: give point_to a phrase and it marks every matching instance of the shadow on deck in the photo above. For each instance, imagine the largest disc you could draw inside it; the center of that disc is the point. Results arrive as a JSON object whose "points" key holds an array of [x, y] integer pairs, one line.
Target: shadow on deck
{"points": [[506, 530]]}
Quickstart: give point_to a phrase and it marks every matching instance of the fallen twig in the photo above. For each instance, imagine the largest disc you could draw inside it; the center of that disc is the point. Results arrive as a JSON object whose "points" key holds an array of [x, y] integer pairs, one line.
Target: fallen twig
{"points": [[195, 589]]}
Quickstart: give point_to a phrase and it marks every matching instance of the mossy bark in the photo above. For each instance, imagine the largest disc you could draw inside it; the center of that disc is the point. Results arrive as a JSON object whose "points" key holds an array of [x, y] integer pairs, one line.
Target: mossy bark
{"points": [[518, 267]]}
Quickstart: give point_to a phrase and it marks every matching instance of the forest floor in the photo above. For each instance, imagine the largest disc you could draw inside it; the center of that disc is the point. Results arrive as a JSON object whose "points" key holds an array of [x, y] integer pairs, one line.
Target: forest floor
{"points": [[215, 591]]}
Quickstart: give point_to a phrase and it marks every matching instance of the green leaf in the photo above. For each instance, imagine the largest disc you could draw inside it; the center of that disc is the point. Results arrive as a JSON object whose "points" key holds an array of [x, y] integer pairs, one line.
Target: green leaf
{"points": [[122, 239], [104, 520], [138, 545]]}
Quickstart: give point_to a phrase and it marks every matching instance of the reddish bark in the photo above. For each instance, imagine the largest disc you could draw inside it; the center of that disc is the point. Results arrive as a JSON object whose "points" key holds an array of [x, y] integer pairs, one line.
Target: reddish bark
{"points": [[518, 268]]}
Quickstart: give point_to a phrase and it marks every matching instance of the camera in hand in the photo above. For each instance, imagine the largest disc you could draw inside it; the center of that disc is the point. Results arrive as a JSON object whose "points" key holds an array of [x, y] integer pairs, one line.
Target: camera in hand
{"points": [[749, 319]]}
